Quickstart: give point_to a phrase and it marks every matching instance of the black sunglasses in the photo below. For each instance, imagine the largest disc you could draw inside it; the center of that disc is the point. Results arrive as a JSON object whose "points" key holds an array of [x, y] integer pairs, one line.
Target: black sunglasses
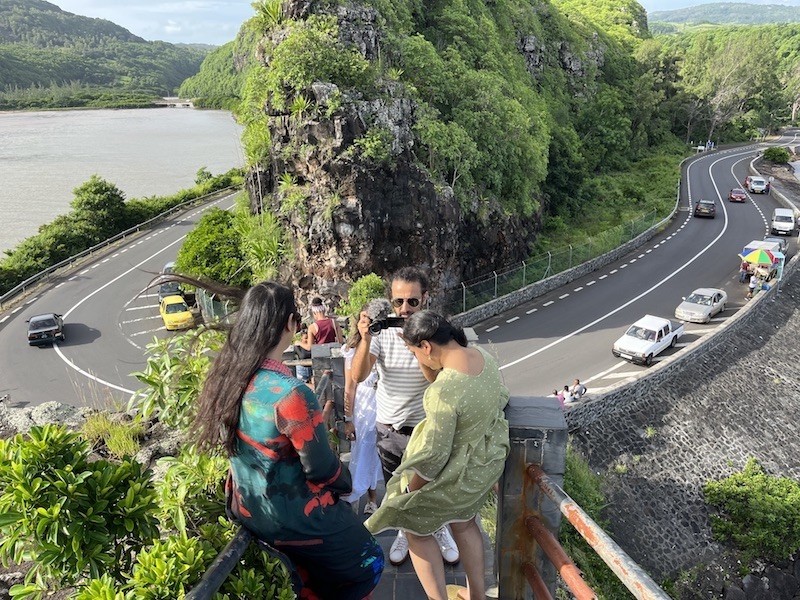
{"points": [[412, 302]]}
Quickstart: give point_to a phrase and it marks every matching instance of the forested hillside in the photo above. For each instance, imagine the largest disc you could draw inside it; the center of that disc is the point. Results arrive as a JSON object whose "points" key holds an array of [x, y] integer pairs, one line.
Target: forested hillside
{"points": [[49, 57], [728, 13]]}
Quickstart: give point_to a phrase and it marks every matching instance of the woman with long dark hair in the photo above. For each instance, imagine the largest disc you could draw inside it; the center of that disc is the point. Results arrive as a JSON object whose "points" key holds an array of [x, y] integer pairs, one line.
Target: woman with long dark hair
{"points": [[285, 481], [454, 457]]}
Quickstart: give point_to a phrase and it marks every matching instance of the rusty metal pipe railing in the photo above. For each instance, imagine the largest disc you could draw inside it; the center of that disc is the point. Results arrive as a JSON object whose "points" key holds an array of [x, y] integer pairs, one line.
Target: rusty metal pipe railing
{"points": [[638, 582], [539, 587], [566, 568]]}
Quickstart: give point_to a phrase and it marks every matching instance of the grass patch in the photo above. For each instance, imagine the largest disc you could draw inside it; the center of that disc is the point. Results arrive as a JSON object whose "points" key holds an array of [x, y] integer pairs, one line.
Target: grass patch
{"points": [[119, 438]]}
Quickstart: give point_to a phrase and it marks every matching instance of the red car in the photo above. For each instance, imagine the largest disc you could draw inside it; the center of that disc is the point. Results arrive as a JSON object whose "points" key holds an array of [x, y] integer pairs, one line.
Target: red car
{"points": [[737, 195]]}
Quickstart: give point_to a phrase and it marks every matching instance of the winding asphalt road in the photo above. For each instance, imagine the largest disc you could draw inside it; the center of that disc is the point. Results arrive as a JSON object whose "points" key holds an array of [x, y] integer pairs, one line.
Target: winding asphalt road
{"points": [[109, 317]]}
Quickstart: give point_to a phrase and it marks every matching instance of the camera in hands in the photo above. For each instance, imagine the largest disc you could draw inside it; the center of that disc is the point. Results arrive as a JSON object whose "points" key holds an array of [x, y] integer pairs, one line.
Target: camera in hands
{"points": [[377, 325]]}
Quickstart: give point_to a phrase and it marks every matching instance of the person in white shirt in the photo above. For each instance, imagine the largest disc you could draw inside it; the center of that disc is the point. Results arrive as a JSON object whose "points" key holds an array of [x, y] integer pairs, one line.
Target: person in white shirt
{"points": [[402, 382]]}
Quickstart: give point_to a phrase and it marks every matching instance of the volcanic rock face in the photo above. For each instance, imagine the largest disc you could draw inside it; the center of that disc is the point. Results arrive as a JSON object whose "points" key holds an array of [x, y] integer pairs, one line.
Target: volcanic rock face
{"points": [[358, 215]]}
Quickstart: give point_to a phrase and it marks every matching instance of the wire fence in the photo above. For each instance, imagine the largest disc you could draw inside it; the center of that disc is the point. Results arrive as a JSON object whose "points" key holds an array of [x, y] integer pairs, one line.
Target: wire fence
{"points": [[510, 279]]}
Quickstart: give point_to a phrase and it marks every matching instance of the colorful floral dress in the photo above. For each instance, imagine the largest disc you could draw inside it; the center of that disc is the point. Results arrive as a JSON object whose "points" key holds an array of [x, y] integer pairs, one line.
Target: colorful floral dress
{"points": [[285, 485], [460, 448]]}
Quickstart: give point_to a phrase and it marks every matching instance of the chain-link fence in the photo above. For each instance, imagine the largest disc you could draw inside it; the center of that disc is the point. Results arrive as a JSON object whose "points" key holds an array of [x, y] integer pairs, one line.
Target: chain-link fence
{"points": [[213, 310], [510, 279]]}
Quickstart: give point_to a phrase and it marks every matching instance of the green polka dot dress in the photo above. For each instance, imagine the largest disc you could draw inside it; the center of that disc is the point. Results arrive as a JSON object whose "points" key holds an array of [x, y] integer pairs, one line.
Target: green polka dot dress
{"points": [[460, 447]]}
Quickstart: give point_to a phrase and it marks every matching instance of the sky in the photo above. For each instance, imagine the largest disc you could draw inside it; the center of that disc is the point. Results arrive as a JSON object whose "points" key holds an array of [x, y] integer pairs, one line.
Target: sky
{"points": [[218, 21], [179, 21]]}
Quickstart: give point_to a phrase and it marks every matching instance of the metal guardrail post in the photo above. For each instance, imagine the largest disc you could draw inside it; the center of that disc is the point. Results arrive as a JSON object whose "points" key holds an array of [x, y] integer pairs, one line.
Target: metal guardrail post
{"points": [[631, 574], [495, 283], [538, 434], [463, 297], [524, 267]]}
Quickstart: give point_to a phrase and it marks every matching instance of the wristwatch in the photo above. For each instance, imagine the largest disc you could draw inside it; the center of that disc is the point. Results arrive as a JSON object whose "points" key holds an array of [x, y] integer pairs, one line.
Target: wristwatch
{"points": [[348, 419]]}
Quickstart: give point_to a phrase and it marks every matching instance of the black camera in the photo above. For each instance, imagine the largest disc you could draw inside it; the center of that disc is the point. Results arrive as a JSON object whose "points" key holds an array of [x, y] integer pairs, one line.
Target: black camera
{"points": [[376, 325]]}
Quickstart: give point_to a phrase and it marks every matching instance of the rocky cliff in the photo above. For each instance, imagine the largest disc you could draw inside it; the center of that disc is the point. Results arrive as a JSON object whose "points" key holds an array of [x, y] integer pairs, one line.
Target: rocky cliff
{"points": [[360, 178]]}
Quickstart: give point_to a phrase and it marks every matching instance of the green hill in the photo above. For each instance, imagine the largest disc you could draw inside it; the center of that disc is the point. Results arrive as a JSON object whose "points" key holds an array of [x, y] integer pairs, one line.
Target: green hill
{"points": [[729, 13], [50, 57]]}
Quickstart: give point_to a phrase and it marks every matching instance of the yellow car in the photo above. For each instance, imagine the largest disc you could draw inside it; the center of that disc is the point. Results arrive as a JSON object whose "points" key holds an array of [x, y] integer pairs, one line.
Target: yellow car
{"points": [[176, 313]]}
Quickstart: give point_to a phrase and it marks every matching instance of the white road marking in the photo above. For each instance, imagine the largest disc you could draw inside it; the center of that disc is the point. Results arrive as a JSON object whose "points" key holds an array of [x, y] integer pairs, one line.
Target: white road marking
{"points": [[84, 272], [622, 374], [591, 283], [105, 260], [562, 296], [147, 332], [32, 300], [19, 308], [60, 284], [149, 306], [682, 344], [606, 372], [622, 266], [719, 319], [614, 271], [512, 319], [95, 266], [115, 255], [578, 289], [649, 251], [531, 311], [640, 256], [631, 261], [72, 278], [602, 276], [548, 303], [4, 319], [493, 328], [141, 319]]}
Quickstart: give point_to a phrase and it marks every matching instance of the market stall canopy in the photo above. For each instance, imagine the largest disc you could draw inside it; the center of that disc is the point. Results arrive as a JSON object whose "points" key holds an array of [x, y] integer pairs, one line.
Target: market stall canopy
{"points": [[759, 257]]}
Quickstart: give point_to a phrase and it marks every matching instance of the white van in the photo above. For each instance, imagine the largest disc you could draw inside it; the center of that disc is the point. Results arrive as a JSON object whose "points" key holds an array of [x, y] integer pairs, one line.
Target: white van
{"points": [[782, 221]]}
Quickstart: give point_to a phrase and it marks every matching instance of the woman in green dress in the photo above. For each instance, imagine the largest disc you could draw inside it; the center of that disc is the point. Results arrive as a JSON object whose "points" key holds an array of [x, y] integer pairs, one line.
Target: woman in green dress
{"points": [[454, 457]]}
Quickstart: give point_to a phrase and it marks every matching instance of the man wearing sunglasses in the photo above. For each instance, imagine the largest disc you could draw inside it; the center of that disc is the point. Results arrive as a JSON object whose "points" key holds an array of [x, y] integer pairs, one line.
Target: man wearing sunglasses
{"points": [[402, 382]]}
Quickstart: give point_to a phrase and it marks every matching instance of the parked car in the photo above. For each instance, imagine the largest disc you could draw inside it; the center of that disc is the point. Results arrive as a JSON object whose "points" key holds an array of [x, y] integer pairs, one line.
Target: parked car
{"points": [[757, 185], [175, 313], [705, 208], [170, 288], [646, 338], [701, 305], [45, 329], [783, 243], [169, 268], [782, 222], [737, 195]]}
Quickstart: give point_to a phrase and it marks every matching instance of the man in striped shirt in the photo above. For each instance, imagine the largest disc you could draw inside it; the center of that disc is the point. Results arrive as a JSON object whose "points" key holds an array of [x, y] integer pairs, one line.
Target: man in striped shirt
{"points": [[402, 381]]}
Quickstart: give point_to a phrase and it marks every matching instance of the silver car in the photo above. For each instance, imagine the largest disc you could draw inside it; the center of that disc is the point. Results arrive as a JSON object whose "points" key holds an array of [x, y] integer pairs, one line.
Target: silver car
{"points": [[701, 305]]}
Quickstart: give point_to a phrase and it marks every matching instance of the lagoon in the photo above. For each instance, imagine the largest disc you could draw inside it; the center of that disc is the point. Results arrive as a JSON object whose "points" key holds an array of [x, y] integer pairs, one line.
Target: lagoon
{"points": [[144, 152]]}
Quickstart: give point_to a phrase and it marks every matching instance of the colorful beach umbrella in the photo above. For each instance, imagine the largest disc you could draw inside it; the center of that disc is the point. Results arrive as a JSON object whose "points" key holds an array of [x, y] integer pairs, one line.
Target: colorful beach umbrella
{"points": [[759, 257]]}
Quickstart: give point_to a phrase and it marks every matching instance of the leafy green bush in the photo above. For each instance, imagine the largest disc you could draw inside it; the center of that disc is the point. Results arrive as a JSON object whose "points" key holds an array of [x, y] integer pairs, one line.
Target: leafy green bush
{"points": [[363, 290], [73, 518], [758, 512], [175, 371], [376, 145], [776, 154], [193, 490]]}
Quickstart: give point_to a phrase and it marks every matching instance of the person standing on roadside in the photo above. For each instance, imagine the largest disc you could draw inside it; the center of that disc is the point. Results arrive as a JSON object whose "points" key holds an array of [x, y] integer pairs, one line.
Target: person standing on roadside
{"points": [[578, 389], [402, 382]]}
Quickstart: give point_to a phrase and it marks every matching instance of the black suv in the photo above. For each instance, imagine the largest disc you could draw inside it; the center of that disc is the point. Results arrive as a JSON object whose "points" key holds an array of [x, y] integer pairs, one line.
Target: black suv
{"points": [[705, 208], [45, 329]]}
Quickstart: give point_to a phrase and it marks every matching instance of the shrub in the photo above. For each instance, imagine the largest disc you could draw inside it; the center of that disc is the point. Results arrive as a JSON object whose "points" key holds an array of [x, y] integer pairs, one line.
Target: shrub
{"points": [[121, 438], [363, 290], [176, 368], [71, 517], [375, 145], [192, 491], [776, 155], [757, 512]]}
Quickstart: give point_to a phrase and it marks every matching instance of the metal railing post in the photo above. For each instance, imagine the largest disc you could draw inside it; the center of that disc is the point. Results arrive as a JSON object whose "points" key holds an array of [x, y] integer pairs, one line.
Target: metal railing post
{"points": [[463, 297], [523, 273], [495, 283], [570, 256]]}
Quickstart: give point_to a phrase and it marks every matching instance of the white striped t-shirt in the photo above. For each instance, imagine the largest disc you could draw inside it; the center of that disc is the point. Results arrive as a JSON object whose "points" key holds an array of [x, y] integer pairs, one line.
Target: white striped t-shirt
{"points": [[401, 383]]}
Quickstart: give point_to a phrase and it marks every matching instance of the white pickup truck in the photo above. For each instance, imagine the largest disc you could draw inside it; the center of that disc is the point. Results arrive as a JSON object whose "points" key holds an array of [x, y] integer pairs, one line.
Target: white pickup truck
{"points": [[646, 338]]}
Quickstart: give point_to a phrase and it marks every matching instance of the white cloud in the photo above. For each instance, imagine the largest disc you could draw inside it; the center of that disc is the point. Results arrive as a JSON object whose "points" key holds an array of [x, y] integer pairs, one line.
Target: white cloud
{"points": [[187, 21]]}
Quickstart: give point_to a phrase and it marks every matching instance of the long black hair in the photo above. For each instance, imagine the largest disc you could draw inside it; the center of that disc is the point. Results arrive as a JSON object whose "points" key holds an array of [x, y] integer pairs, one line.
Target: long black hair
{"points": [[430, 326], [262, 314]]}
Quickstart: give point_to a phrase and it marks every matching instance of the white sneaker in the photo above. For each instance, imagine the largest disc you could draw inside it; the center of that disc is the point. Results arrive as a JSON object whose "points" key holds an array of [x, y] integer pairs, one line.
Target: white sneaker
{"points": [[398, 553], [370, 508], [447, 545]]}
